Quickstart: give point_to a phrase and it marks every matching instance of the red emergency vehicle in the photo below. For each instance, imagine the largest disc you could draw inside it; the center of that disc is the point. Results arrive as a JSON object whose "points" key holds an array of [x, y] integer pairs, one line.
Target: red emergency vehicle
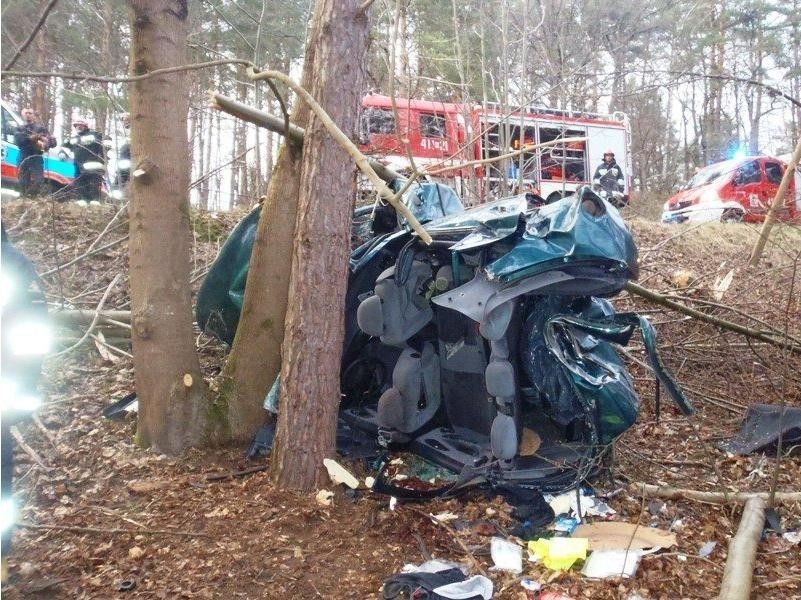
{"points": [[734, 190], [432, 132], [440, 134]]}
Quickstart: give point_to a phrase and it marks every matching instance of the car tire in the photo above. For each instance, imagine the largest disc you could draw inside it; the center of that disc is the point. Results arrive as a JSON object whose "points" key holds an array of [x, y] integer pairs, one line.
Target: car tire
{"points": [[731, 215], [554, 197]]}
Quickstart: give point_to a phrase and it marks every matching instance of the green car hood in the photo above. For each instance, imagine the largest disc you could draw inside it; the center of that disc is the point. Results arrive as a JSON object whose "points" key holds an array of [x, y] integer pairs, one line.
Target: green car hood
{"points": [[580, 229]]}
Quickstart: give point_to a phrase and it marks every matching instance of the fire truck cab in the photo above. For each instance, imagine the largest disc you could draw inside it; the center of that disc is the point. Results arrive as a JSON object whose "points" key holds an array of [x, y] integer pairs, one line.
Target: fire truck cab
{"points": [[433, 133]]}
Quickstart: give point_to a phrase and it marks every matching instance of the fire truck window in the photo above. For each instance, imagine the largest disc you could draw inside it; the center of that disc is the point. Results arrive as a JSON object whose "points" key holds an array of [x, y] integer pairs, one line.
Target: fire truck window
{"points": [[774, 172], [748, 173], [377, 120], [563, 161], [432, 125]]}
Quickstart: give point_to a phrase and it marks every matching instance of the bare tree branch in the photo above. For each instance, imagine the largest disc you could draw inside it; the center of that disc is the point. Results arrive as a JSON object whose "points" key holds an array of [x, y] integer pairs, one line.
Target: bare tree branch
{"points": [[32, 36], [130, 79]]}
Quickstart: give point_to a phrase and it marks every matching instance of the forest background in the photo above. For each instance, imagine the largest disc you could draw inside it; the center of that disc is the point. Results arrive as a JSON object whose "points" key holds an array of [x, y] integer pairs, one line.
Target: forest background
{"points": [[680, 70]]}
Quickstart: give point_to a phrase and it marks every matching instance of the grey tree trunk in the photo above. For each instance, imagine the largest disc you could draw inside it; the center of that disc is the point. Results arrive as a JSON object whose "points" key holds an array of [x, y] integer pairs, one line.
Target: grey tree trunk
{"points": [[171, 390]]}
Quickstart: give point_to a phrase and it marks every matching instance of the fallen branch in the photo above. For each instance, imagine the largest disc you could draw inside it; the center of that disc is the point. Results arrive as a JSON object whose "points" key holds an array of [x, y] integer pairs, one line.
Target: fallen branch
{"points": [[47, 433], [95, 318], [111, 530], [277, 125], [111, 347], [108, 227], [671, 493], [663, 300], [775, 206], [121, 318], [27, 449], [344, 141], [739, 569], [232, 474]]}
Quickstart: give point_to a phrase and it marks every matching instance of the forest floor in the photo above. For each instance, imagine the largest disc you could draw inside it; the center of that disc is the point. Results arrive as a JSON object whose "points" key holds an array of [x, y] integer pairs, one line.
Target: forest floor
{"points": [[99, 511]]}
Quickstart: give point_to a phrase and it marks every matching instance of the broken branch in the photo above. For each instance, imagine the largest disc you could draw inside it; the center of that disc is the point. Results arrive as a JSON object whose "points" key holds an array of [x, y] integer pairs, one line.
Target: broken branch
{"points": [[26, 448], [95, 318], [275, 124], [360, 159], [778, 200], [82, 256], [112, 530], [663, 300], [671, 493], [739, 569]]}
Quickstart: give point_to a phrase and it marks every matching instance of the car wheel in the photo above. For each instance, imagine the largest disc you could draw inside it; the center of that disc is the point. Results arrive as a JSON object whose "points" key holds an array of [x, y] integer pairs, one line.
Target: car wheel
{"points": [[731, 215], [554, 197]]}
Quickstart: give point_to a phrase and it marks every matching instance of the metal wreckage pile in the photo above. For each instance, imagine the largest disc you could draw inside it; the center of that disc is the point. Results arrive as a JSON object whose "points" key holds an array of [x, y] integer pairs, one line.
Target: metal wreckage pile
{"points": [[489, 352]]}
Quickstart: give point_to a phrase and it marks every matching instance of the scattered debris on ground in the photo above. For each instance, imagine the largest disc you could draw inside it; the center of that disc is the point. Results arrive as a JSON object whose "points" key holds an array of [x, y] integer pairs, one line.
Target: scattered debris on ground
{"points": [[102, 518]]}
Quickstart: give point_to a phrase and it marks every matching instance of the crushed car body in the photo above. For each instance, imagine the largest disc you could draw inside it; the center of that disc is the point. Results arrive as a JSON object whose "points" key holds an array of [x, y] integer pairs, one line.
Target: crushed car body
{"points": [[496, 334]]}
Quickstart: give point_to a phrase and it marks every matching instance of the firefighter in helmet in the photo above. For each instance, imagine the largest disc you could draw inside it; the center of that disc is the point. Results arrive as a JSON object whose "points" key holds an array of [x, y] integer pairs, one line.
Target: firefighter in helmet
{"points": [[609, 175]]}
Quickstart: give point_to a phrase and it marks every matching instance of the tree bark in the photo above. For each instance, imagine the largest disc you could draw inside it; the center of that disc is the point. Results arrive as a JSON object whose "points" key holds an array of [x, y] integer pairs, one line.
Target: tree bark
{"points": [[255, 358], [739, 571], [310, 393], [171, 390]]}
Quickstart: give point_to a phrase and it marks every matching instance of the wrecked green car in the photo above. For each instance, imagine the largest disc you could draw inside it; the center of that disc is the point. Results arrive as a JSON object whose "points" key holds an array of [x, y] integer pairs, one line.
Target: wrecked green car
{"points": [[490, 351]]}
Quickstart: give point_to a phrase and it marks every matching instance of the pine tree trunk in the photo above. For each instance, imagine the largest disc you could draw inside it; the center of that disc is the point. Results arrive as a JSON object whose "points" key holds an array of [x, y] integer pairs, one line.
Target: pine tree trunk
{"points": [[255, 358], [171, 390], [312, 350]]}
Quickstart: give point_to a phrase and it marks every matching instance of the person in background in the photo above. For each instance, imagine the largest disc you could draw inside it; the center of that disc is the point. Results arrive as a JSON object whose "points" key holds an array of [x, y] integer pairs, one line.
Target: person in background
{"points": [[609, 175], [124, 168], [33, 140], [87, 146]]}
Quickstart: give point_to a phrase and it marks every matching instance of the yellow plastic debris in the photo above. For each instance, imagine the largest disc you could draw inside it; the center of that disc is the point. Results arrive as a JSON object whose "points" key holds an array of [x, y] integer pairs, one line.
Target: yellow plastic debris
{"points": [[559, 553]]}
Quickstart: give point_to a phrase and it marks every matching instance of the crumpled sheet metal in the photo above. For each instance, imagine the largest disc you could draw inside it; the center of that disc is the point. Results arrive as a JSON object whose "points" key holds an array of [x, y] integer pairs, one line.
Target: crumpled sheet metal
{"points": [[564, 232], [429, 201], [761, 428], [219, 301]]}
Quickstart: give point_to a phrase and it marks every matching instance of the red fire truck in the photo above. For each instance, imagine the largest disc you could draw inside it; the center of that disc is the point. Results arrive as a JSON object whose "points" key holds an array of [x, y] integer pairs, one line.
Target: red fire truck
{"points": [[433, 133], [441, 135]]}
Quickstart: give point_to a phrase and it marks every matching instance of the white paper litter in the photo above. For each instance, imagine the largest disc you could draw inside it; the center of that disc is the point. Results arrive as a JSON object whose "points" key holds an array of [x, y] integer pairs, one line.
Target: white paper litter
{"points": [[435, 566], [469, 588], [340, 474], [506, 555], [611, 563], [568, 503]]}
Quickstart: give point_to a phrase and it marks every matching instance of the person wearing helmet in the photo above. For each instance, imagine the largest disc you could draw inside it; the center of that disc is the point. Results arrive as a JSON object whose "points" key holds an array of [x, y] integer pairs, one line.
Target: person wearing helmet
{"points": [[87, 148], [609, 175]]}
